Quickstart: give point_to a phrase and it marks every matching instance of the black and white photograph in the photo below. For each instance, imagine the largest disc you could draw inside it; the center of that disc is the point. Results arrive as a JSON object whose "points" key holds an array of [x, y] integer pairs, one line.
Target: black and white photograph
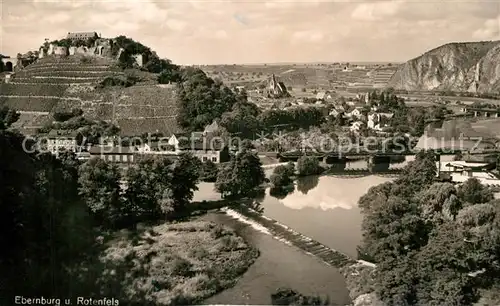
{"points": [[250, 152]]}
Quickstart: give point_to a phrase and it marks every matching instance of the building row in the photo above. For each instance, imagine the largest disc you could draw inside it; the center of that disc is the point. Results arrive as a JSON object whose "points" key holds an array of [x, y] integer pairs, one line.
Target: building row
{"points": [[204, 145]]}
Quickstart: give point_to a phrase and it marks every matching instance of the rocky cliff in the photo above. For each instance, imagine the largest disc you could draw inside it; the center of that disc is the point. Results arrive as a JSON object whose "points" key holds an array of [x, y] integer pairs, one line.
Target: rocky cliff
{"points": [[460, 67]]}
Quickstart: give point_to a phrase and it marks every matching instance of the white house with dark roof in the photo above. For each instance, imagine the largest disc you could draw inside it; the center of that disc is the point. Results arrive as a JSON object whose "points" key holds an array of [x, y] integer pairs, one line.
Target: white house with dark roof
{"points": [[377, 121], [356, 126], [356, 113], [323, 96], [58, 140]]}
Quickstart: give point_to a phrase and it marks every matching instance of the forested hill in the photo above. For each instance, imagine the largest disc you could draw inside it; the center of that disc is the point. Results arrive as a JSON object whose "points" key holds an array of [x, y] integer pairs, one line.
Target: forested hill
{"points": [[459, 67]]}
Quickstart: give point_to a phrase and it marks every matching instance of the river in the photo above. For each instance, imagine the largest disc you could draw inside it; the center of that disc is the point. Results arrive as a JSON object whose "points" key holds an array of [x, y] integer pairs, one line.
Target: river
{"points": [[321, 207]]}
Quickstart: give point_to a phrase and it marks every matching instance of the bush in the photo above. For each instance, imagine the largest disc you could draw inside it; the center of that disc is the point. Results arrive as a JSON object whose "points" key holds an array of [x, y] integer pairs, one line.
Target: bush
{"points": [[65, 116], [217, 232], [199, 253], [85, 60], [123, 81], [208, 172], [282, 175], [308, 165], [229, 243], [181, 267]]}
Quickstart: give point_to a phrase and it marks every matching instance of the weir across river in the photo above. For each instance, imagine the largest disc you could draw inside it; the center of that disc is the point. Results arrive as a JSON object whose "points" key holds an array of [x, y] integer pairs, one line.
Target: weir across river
{"points": [[287, 235]]}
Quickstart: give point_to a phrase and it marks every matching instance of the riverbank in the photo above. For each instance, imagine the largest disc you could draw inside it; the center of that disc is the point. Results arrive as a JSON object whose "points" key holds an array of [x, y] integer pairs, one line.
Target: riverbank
{"points": [[321, 207], [279, 265], [177, 264]]}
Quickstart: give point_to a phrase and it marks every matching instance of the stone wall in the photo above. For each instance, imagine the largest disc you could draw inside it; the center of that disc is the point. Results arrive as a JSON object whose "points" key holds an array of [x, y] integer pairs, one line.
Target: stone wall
{"points": [[61, 51], [138, 59]]}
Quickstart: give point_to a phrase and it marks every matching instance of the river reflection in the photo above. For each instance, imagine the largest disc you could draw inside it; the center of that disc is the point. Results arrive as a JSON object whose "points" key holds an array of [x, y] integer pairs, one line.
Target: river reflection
{"points": [[323, 208], [305, 184]]}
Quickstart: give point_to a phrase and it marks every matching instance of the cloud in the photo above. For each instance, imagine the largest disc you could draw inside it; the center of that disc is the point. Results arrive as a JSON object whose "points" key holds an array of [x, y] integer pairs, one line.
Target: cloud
{"points": [[241, 19], [489, 30], [57, 18], [220, 34], [287, 4], [256, 30], [176, 25], [311, 36], [375, 11]]}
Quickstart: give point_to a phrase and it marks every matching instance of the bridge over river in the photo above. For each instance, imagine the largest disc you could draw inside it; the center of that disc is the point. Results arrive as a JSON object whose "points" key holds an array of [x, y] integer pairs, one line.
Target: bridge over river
{"points": [[361, 153]]}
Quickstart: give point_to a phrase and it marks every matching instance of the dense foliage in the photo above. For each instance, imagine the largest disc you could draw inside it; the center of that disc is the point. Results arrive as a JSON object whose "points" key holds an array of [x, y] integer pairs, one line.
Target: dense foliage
{"points": [[53, 208], [169, 73], [308, 165], [202, 99], [65, 42], [43, 223], [208, 171], [7, 117], [122, 81], [241, 176], [282, 175], [293, 119], [156, 189], [86, 129], [433, 244], [62, 116]]}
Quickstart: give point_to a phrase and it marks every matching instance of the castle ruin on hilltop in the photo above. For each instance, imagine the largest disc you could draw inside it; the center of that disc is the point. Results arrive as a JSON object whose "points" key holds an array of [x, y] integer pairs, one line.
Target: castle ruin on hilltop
{"points": [[100, 47]]}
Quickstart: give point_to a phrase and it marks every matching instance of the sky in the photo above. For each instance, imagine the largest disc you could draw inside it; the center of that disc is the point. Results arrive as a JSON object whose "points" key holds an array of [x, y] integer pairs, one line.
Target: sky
{"points": [[257, 31]]}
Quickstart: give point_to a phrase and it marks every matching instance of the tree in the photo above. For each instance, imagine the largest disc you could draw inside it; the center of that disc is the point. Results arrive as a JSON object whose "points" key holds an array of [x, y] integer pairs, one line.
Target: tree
{"points": [[202, 99], [41, 214], [439, 202], [419, 173], [429, 247], [159, 188], [169, 76], [208, 172], [185, 180], [100, 188], [308, 165], [242, 121], [282, 175], [146, 184], [473, 192], [241, 176], [7, 117]]}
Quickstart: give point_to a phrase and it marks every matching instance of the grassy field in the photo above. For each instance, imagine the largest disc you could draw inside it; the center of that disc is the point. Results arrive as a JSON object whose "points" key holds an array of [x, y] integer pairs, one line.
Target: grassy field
{"points": [[176, 264], [298, 76]]}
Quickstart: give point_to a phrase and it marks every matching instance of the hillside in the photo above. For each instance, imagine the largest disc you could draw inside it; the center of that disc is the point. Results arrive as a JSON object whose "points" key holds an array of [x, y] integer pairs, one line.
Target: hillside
{"points": [[307, 76], [460, 67], [54, 84]]}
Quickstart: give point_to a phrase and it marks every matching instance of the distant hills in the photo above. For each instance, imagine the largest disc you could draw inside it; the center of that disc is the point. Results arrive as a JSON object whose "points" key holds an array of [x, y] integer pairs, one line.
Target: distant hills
{"points": [[460, 67]]}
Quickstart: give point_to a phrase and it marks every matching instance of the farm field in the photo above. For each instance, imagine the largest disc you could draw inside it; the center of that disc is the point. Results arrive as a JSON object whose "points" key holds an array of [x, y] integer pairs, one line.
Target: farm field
{"points": [[308, 76]]}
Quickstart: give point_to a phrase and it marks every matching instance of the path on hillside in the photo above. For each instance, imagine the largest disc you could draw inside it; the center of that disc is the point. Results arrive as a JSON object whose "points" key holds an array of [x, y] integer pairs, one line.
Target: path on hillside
{"points": [[33, 113]]}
